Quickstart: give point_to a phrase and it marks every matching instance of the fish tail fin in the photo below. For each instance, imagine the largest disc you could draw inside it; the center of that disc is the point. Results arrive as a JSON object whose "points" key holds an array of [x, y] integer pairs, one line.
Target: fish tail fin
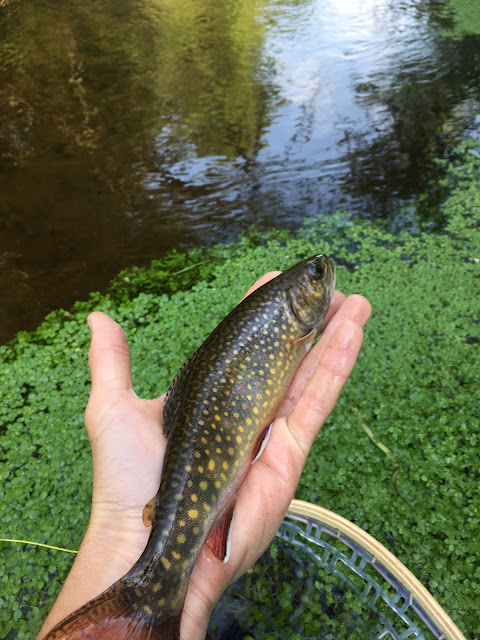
{"points": [[110, 616]]}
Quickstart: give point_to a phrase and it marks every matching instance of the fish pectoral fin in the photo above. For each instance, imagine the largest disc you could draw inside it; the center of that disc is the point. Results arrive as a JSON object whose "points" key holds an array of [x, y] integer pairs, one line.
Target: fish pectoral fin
{"points": [[149, 512], [308, 336], [261, 443], [219, 538]]}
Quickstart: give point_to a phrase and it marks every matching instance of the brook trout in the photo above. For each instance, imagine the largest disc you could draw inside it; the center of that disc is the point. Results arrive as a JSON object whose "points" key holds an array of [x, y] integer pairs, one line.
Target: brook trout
{"points": [[216, 414]]}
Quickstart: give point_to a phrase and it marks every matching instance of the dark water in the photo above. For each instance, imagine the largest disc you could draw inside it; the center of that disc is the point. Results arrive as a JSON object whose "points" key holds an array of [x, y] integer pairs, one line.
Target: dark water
{"points": [[128, 128]]}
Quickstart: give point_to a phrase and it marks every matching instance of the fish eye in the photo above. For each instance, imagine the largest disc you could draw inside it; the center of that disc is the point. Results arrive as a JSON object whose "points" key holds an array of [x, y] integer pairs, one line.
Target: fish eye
{"points": [[316, 269]]}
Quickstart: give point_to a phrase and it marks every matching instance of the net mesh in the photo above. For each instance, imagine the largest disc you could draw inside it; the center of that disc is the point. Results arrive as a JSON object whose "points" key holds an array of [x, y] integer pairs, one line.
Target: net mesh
{"points": [[316, 582]]}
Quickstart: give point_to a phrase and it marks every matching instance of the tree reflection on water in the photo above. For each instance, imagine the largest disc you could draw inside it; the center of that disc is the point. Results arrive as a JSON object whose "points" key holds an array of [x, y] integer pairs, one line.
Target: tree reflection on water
{"points": [[129, 128]]}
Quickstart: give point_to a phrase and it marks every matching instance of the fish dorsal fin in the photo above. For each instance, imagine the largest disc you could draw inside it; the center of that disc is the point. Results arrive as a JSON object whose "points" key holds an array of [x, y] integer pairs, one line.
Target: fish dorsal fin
{"points": [[175, 393], [219, 537]]}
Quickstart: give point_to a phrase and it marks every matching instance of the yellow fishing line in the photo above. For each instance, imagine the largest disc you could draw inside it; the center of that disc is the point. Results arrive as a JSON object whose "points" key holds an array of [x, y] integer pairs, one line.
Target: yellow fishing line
{"points": [[38, 544]]}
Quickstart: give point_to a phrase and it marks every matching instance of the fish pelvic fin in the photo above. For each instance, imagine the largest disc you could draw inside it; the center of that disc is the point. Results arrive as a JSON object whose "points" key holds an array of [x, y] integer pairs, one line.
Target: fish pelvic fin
{"points": [[110, 616]]}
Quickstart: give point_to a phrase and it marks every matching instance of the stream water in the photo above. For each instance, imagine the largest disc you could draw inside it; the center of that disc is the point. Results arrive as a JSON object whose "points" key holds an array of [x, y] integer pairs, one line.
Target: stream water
{"points": [[129, 128]]}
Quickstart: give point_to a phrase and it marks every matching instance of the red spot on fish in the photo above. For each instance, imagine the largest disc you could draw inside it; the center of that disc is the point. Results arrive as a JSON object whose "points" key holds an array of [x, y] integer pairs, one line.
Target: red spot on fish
{"points": [[244, 406], [239, 388], [204, 440], [223, 404], [260, 357], [227, 424]]}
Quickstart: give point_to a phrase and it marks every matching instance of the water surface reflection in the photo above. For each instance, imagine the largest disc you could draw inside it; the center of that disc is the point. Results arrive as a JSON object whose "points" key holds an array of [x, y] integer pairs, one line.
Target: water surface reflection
{"points": [[129, 128]]}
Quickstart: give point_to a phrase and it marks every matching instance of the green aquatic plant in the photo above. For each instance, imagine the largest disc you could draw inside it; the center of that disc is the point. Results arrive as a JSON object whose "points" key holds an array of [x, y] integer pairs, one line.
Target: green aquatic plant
{"points": [[414, 391], [465, 18]]}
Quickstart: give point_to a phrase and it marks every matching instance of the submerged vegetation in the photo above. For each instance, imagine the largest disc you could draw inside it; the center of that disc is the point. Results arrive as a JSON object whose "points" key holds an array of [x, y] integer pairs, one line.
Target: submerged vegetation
{"points": [[399, 456]]}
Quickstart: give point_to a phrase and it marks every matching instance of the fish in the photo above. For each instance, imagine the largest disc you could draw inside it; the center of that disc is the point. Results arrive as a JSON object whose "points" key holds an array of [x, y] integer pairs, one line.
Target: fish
{"points": [[216, 416]]}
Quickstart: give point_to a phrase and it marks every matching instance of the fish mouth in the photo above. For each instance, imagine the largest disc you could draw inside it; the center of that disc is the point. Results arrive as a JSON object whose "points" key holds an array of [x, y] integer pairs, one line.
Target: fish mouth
{"points": [[330, 279]]}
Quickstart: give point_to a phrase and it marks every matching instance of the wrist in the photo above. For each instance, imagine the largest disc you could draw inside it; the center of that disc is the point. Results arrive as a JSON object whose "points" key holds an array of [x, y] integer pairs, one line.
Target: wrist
{"points": [[111, 549], [105, 555], [118, 524]]}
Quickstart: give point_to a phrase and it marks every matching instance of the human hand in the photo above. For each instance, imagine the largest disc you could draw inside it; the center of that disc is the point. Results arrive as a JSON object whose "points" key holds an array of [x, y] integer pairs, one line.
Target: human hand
{"points": [[128, 448]]}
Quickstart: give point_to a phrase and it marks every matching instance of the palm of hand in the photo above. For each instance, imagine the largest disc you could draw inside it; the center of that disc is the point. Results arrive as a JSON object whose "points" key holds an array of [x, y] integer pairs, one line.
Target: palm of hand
{"points": [[128, 448]]}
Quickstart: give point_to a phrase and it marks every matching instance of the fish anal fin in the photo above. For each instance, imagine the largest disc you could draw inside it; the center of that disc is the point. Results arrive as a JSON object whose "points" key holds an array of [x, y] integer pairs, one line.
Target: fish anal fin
{"points": [[302, 339], [220, 536], [110, 616], [149, 511]]}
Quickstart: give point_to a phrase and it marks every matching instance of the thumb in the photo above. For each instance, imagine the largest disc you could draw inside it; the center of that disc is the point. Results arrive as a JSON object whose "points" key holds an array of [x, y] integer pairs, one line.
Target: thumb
{"points": [[109, 356]]}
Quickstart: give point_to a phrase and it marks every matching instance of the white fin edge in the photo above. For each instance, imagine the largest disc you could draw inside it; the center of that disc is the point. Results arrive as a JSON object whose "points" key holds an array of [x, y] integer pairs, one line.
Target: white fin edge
{"points": [[264, 443], [228, 543]]}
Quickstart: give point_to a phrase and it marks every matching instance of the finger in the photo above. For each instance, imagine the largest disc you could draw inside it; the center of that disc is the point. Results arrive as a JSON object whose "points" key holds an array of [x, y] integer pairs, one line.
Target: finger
{"points": [[356, 309], [109, 357], [338, 299], [321, 394]]}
